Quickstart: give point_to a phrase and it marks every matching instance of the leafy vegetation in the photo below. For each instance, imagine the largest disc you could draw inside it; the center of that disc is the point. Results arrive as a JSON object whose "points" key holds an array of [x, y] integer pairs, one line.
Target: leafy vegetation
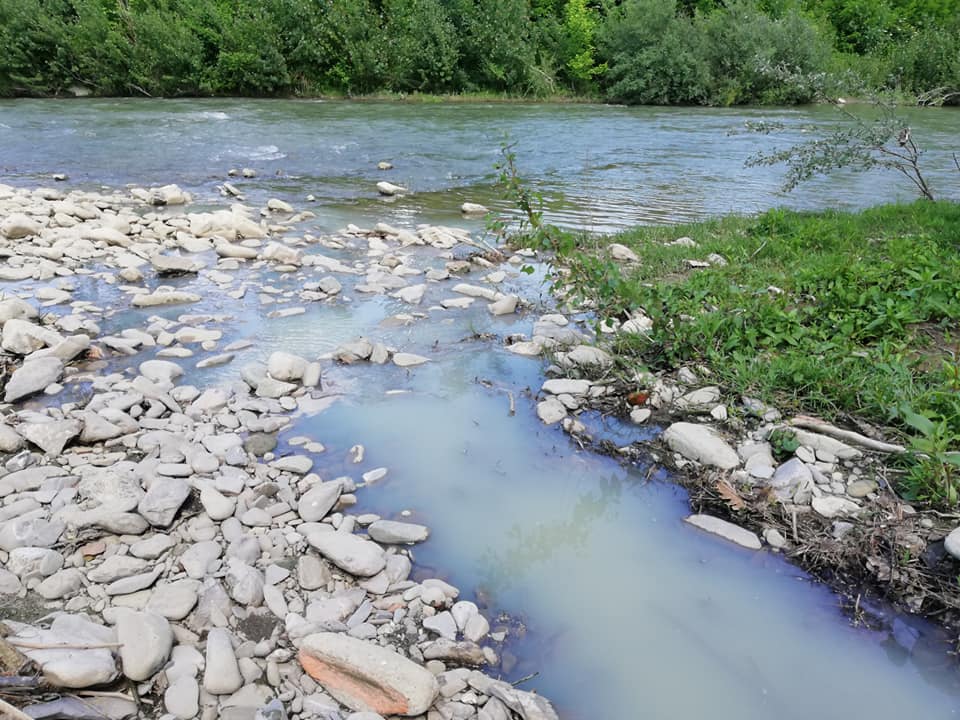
{"points": [[849, 315], [636, 51]]}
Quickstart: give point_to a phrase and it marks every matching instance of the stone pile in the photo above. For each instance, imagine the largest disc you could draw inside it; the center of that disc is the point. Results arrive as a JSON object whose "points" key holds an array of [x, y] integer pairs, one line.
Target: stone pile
{"points": [[162, 530]]}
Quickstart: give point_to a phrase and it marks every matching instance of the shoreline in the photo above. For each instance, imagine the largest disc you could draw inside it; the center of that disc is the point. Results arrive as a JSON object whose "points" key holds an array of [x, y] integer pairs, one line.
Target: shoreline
{"points": [[176, 535], [823, 488]]}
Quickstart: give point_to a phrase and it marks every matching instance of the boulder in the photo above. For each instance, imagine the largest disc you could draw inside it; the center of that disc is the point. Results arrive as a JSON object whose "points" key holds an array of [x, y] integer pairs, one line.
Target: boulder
{"points": [[366, 677], [286, 366]]}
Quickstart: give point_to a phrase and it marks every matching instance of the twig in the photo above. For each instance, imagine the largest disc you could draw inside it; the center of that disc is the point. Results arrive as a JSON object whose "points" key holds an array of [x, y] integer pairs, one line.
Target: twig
{"points": [[513, 404], [531, 676], [757, 251], [66, 646], [8, 710], [104, 693]]}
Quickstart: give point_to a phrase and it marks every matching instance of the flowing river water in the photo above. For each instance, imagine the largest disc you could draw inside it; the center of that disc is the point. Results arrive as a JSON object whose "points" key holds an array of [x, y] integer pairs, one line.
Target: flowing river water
{"points": [[626, 611]]}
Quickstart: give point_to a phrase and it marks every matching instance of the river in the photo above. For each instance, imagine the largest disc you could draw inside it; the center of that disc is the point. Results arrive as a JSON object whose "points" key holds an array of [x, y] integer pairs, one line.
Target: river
{"points": [[626, 611]]}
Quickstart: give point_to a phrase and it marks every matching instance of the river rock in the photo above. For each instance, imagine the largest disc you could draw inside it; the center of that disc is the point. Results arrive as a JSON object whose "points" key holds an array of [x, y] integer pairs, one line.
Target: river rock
{"points": [[34, 562], [404, 360], [726, 530], [60, 584], [32, 377], [951, 543], [566, 386], [51, 437], [366, 677], [10, 440], [23, 337], [222, 674], [182, 698], [442, 624], [790, 477], [168, 297], [218, 506], [389, 189], [397, 533], [351, 553], [146, 640], [173, 264], [551, 411], [622, 253], [163, 500], [469, 208], [17, 226], [160, 371], [174, 600], [830, 506], [29, 532], [116, 567], [701, 443], [286, 366], [318, 501], [463, 653], [299, 464], [312, 573], [504, 306], [72, 668]]}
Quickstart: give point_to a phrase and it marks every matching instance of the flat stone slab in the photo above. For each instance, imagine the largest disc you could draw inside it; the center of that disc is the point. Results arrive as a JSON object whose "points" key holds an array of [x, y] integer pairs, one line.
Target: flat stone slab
{"points": [[726, 530], [354, 554], [366, 677]]}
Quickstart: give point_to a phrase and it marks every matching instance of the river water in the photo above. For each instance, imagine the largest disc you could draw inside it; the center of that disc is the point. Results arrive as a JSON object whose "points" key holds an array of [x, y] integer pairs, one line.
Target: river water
{"points": [[623, 610]]}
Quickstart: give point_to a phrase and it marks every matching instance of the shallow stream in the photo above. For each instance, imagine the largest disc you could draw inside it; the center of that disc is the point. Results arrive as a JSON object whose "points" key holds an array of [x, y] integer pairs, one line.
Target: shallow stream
{"points": [[625, 611]]}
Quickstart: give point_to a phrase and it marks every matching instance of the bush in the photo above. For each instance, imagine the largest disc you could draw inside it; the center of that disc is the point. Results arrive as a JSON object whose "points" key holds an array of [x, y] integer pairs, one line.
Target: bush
{"points": [[651, 55]]}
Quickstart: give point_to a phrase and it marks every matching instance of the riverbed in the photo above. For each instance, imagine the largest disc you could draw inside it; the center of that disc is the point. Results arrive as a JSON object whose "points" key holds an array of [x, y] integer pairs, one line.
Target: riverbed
{"points": [[626, 611]]}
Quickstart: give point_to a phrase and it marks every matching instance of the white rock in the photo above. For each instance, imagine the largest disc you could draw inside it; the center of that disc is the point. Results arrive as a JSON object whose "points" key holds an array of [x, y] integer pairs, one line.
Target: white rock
{"points": [[146, 640], [408, 360], [286, 366], [222, 674], [701, 443], [163, 499], [951, 543], [551, 411], [391, 532], [727, 530], [182, 698], [830, 506], [389, 189], [51, 437], [316, 503], [32, 377], [17, 226], [622, 253], [504, 306], [351, 553]]}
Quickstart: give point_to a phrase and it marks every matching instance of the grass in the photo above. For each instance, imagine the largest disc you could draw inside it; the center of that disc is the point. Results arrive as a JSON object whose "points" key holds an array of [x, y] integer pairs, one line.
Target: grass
{"points": [[852, 316]]}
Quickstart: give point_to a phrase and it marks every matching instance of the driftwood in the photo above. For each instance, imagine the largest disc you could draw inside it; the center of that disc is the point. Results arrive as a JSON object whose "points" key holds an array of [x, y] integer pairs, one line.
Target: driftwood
{"points": [[854, 438]]}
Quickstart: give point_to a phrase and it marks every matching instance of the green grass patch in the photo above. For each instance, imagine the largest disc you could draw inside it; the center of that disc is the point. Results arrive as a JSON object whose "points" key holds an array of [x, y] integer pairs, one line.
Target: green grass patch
{"points": [[845, 315]]}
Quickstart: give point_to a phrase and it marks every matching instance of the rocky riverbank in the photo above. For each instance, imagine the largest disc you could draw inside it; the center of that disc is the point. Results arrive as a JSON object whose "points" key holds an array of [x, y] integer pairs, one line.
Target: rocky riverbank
{"points": [[162, 553], [824, 495]]}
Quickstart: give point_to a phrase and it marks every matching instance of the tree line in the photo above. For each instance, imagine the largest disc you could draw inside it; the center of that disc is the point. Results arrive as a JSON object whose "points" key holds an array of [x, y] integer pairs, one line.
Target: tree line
{"points": [[714, 52]]}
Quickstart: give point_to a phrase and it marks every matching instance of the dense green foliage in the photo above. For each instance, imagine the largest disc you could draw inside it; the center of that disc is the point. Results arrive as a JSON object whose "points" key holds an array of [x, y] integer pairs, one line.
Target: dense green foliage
{"points": [[637, 51]]}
